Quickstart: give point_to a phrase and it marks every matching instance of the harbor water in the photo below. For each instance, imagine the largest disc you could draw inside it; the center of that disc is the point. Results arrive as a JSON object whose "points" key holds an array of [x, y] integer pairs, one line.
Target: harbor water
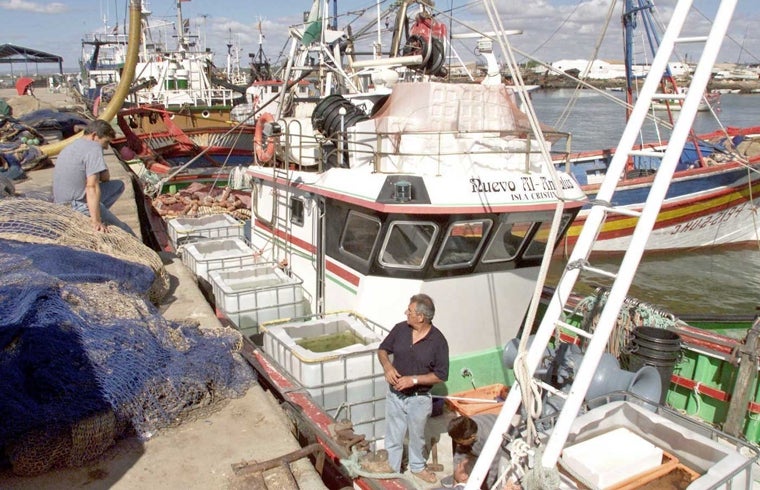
{"points": [[721, 280]]}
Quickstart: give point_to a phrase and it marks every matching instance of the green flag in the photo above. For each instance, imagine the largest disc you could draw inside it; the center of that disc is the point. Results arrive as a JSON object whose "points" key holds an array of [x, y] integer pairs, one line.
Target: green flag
{"points": [[313, 29]]}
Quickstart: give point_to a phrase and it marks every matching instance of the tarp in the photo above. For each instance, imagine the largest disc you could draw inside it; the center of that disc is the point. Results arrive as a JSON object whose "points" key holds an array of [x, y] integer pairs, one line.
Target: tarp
{"points": [[22, 83]]}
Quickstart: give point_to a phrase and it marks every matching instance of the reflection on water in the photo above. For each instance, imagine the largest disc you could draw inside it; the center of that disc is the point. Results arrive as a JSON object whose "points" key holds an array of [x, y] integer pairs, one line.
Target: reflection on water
{"points": [[719, 281], [716, 281]]}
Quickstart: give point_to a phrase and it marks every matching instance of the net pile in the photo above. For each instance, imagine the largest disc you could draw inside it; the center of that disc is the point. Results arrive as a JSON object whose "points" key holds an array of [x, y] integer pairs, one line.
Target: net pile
{"points": [[203, 200], [38, 221], [86, 360]]}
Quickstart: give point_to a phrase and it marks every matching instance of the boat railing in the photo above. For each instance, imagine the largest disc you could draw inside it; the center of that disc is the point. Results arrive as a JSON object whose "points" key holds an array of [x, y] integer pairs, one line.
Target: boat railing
{"points": [[105, 37], [195, 98], [390, 151]]}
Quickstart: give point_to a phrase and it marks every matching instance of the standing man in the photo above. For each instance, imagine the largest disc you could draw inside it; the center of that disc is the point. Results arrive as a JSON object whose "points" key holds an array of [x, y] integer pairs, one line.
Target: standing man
{"points": [[420, 360], [81, 178]]}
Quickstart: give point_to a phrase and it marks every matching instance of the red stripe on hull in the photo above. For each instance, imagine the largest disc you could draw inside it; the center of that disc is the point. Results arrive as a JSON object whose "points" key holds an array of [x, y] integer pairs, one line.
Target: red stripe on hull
{"points": [[331, 266]]}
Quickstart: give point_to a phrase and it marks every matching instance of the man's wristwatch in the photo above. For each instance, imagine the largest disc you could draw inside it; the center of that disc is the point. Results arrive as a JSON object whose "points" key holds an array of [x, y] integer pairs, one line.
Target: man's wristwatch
{"points": [[415, 380]]}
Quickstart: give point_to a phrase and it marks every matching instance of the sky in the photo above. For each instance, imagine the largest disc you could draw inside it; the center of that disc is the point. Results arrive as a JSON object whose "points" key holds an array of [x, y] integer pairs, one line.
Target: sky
{"points": [[552, 29]]}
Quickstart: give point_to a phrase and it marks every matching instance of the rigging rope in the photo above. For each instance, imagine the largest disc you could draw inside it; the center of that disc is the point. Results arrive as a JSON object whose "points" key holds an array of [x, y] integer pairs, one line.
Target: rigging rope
{"points": [[562, 119]]}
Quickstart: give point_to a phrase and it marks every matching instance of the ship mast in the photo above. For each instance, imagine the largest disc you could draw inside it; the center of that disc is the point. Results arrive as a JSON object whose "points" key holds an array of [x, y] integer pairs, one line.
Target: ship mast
{"points": [[180, 28]]}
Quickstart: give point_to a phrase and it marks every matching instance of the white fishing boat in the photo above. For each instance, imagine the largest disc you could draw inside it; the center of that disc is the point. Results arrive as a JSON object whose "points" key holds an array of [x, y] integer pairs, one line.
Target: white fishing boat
{"points": [[446, 189], [175, 79]]}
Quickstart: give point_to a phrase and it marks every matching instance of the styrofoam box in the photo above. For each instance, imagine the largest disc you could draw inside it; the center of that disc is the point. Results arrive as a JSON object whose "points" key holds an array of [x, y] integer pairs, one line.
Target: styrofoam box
{"points": [[350, 378], [254, 294], [187, 230], [210, 255], [612, 457]]}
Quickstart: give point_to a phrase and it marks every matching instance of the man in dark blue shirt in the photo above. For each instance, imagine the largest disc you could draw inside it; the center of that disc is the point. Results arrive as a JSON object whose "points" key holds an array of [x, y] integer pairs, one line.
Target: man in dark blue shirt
{"points": [[420, 360]]}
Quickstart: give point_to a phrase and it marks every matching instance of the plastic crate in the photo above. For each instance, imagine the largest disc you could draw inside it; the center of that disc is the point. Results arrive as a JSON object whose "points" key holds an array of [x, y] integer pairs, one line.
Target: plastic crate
{"points": [[188, 230], [465, 402], [347, 380], [211, 255], [257, 293]]}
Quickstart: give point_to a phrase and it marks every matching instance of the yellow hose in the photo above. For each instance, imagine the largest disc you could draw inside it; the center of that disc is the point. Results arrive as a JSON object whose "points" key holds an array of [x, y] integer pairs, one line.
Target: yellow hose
{"points": [[127, 75]]}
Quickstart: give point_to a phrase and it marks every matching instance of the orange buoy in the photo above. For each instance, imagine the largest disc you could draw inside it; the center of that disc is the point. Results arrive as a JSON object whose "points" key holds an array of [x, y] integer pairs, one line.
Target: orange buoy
{"points": [[264, 152]]}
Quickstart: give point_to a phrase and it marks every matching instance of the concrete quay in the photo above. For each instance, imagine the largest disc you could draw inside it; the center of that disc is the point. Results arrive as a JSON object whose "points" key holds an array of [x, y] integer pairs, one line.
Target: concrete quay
{"points": [[195, 455]]}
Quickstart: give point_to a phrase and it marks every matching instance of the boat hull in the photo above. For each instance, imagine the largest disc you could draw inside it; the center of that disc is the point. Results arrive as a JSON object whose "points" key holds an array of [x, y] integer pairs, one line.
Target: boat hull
{"points": [[704, 206]]}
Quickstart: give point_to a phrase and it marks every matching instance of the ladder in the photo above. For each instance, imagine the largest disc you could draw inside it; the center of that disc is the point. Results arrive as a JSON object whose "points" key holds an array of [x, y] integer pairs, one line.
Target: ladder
{"points": [[282, 246], [578, 261]]}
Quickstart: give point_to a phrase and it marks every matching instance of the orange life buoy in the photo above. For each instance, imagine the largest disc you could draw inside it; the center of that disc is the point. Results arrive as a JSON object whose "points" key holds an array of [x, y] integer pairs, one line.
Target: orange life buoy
{"points": [[264, 152]]}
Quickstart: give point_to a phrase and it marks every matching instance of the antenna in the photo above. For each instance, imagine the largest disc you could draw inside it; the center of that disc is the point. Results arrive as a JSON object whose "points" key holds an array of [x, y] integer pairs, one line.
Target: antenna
{"points": [[204, 16]]}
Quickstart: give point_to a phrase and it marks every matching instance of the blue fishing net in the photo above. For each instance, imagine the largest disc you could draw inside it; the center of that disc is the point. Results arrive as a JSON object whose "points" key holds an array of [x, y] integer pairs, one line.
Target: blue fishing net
{"points": [[71, 264], [85, 360], [49, 119]]}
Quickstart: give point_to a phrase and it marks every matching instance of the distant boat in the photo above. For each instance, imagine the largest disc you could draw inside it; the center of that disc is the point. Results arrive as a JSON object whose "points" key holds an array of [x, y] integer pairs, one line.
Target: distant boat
{"points": [[710, 101], [179, 79]]}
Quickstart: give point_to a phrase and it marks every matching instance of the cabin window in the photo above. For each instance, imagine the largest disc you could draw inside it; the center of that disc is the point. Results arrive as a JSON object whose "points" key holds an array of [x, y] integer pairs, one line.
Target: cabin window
{"points": [[359, 235], [507, 240], [464, 239], [296, 211], [408, 244], [538, 244]]}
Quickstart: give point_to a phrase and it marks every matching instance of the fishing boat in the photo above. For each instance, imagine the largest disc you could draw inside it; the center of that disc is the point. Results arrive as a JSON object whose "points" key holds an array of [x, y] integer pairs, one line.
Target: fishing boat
{"points": [[712, 200], [449, 189], [179, 79]]}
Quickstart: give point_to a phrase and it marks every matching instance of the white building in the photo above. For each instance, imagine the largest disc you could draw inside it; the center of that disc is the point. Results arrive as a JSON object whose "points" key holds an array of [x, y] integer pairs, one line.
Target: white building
{"points": [[604, 70]]}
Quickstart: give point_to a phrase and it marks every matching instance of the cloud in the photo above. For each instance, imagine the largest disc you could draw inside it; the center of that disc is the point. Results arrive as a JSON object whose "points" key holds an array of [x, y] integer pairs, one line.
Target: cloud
{"points": [[40, 8]]}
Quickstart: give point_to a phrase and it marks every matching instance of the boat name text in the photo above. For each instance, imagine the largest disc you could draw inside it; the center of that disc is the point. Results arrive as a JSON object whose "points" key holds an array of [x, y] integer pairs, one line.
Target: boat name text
{"points": [[711, 220], [522, 188]]}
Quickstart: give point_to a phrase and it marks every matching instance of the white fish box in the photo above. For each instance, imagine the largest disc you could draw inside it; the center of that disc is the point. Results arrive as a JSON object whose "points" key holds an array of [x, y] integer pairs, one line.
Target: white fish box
{"points": [[188, 230], [612, 457], [255, 294], [210, 255], [719, 460], [348, 381]]}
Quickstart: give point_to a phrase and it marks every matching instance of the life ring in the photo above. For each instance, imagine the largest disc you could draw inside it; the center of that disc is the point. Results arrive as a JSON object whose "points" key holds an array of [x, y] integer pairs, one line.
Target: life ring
{"points": [[264, 152]]}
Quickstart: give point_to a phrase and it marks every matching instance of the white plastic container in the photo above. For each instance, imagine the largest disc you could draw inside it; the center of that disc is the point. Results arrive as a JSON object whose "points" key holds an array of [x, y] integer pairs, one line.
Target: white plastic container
{"points": [[254, 294], [720, 460], [612, 457], [347, 382], [211, 255], [187, 230]]}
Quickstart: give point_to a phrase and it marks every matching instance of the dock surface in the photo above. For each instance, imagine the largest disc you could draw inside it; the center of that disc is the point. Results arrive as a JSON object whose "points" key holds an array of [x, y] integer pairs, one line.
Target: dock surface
{"points": [[197, 454]]}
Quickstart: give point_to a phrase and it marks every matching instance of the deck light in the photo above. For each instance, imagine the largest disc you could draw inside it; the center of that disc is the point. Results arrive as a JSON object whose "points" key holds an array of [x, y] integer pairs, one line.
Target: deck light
{"points": [[402, 191]]}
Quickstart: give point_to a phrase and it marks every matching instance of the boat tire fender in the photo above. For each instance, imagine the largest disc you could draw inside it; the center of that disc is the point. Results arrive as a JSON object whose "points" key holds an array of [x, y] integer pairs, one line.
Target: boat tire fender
{"points": [[264, 150]]}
